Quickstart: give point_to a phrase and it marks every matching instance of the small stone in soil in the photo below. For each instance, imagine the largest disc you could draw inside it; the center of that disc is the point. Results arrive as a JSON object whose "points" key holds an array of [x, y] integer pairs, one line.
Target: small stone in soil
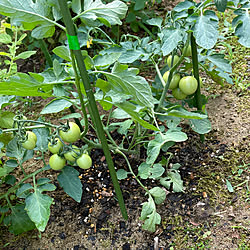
{"points": [[93, 238], [76, 247], [126, 246], [62, 235]]}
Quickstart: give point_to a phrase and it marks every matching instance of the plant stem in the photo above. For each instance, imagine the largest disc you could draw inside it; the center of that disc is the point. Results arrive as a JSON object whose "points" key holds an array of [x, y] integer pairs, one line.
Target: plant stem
{"points": [[94, 110], [45, 51], [146, 29]]}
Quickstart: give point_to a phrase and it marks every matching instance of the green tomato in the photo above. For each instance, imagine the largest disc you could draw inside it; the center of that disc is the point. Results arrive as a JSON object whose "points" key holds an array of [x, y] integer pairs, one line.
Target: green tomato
{"points": [[178, 94], [84, 161], [57, 162], [71, 155], [188, 85], [31, 140], [176, 59], [188, 51], [55, 147], [175, 80], [72, 134]]}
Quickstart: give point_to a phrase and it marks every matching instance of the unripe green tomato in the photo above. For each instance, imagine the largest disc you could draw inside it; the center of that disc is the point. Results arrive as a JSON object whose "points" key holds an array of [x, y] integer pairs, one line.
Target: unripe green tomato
{"points": [[84, 161], [57, 162], [72, 134], [175, 80], [178, 94], [31, 140], [55, 148], [176, 59], [188, 51], [188, 85], [71, 155]]}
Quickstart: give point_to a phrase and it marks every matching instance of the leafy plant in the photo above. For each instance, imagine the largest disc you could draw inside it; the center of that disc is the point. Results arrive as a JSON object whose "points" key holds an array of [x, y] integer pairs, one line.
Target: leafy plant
{"points": [[107, 74]]}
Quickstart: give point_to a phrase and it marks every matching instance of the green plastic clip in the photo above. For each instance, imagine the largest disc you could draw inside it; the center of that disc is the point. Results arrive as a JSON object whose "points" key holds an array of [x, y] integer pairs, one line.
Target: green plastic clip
{"points": [[73, 42]]}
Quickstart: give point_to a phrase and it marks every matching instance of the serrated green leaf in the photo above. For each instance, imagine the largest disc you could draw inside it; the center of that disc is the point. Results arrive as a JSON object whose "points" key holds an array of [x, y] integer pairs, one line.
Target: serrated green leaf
{"points": [[121, 174], [173, 178], [156, 171], [242, 29], [6, 119], [144, 170], [139, 5], [105, 60], [71, 184], [30, 14], [25, 85], [200, 126], [159, 194], [221, 5], [154, 146], [55, 106], [6, 100], [220, 61], [110, 13], [19, 220], [42, 135], [147, 208], [185, 5], [13, 150], [127, 81], [157, 21], [46, 187], [152, 220], [38, 209], [63, 52], [23, 191], [206, 31], [171, 38], [182, 113], [76, 6]]}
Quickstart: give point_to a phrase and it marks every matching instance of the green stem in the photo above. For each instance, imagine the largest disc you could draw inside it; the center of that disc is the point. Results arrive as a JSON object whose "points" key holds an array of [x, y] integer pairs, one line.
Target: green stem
{"points": [[196, 75], [146, 29], [45, 51], [94, 110], [78, 87], [131, 171], [12, 189]]}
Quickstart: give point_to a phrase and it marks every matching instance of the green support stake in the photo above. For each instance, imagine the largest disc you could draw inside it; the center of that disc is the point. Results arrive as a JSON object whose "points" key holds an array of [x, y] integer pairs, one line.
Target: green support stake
{"points": [[75, 48], [196, 75]]}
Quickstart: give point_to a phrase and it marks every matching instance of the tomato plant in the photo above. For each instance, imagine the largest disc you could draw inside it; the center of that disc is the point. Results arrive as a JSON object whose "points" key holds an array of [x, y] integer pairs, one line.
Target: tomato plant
{"points": [[188, 85], [71, 133], [109, 75], [84, 161]]}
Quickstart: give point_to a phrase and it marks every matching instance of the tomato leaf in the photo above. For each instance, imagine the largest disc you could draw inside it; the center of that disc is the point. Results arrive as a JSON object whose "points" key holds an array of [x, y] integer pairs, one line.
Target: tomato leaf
{"points": [[25, 55], [38, 208], [173, 178], [26, 85], [159, 194], [56, 105], [19, 220], [242, 23], [200, 126], [121, 174], [221, 5], [171, 38], [185, 5], [42, 138], [153, 219], [156, 171], [71, 184], [154, 146], [220, 62], [63, 52], [205, 30], [109, 14], [30, 14], [126, 80]]}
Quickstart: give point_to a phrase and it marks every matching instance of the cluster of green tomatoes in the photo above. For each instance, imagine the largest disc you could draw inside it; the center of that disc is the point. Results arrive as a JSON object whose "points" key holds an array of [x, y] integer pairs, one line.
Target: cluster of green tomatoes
{"points": [[61, 150], [181, 86]]}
